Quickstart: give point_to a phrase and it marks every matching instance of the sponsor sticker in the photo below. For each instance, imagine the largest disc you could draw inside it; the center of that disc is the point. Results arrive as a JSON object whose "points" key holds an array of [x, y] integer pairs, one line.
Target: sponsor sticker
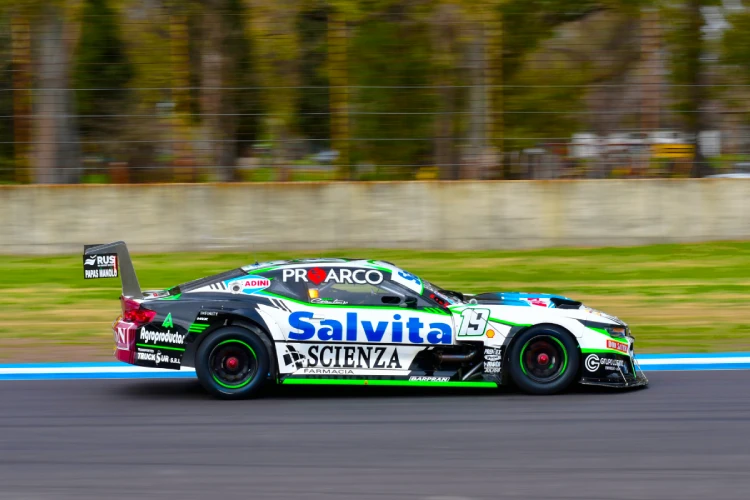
{"points": [[294, 358], [157, 358], [492, 366], [536, 301], [429, 379], [406, 329], [248, 285], [123, 336], [327, 371], [493, 359], [100, 266], [408, 280], [372, 357], [318, 276], [318, 300], [593, 362], [157, 337], [346, 356], [618, 346]]}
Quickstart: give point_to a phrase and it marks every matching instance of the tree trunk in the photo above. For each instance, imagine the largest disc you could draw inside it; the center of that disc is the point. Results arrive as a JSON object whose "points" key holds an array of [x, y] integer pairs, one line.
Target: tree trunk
{"points": [[445, 39], [477, 101], [184, 168], [495, 127], [215, 67], [338, 73], [276, 47], [57, 154], [21, 55], [697, 90]]}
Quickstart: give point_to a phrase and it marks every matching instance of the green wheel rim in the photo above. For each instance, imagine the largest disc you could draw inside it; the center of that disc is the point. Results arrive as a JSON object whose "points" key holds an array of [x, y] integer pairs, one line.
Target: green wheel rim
{"points": [[251, 374], [565, 355], [563, 351]]}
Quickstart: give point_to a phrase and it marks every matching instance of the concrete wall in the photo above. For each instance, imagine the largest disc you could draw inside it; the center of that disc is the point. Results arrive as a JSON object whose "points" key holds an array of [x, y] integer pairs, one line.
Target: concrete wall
{"points": [[423, 215]]}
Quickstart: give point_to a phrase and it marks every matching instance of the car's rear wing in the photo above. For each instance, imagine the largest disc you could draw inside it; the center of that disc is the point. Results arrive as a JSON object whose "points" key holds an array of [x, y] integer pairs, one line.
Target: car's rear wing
{"points": [[111, 260]]}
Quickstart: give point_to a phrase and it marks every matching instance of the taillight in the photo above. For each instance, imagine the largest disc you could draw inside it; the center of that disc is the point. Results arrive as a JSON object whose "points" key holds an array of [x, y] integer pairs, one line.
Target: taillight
{"points": [[134, 312]]}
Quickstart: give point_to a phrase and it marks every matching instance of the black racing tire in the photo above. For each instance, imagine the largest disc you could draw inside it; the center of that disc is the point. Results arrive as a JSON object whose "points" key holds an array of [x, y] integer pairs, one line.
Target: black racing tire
{"points": [[233, 363], [544, 360]]}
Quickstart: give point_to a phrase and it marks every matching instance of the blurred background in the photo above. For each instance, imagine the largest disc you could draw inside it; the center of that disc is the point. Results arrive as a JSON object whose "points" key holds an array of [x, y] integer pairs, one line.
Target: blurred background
{"points": [[133, 91]]}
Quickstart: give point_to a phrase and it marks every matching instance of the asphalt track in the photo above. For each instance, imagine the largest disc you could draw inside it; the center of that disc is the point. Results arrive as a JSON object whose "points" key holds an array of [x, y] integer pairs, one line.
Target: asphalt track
{"points": [[685, 437]]}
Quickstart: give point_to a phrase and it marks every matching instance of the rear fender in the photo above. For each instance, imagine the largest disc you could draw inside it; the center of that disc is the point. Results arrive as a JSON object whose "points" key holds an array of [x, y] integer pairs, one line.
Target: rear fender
{"points": [[218, 318]]}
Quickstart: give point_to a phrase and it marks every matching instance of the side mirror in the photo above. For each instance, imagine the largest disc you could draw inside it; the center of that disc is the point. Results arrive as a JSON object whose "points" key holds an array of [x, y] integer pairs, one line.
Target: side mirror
{"points": [[410, 302], [390, 299]]}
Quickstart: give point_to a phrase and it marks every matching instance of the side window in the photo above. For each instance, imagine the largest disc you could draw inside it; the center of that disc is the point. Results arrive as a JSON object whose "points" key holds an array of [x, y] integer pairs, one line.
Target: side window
{"points": [[362, 294]]}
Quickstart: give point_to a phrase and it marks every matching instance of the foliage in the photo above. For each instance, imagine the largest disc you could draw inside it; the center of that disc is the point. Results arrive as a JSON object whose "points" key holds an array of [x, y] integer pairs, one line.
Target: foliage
{"points": [[246, 100], [6, 102], [393, 63], [736, 43], [314, 120], [400, 56], [101, 69]]}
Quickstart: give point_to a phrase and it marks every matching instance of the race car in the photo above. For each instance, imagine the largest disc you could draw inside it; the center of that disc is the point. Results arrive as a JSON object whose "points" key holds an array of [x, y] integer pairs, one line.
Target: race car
{"points": [[337, 321]]}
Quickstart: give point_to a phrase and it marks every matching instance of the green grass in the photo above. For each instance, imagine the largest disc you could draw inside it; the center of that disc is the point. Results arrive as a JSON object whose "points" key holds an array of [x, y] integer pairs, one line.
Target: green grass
{"points": [[677, 298]]}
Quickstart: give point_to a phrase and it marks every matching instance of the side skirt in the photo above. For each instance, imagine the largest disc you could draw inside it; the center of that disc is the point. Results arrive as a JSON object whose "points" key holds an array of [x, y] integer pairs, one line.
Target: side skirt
{"points": [[381, 382]]}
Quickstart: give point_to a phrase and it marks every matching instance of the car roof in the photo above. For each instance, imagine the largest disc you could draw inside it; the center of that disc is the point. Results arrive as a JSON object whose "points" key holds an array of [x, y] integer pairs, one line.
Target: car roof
{"points": [[328, 261]]}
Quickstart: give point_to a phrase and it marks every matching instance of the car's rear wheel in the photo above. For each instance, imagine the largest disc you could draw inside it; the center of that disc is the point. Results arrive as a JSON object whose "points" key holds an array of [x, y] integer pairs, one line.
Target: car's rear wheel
{"points": [[544, 360], [233, 363]]}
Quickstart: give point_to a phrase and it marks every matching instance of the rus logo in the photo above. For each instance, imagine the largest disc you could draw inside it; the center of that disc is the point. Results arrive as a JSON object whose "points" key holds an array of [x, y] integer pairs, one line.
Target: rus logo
{"points": [[409, 330]]}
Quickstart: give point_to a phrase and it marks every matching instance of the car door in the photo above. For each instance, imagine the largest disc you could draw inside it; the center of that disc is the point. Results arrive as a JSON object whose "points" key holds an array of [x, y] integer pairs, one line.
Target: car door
{"points": [[362, 321]]}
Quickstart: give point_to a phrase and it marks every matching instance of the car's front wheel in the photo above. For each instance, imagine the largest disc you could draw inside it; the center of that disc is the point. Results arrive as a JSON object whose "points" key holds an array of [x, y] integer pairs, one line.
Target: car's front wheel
{"points": [[232, 363], [544, 360]]}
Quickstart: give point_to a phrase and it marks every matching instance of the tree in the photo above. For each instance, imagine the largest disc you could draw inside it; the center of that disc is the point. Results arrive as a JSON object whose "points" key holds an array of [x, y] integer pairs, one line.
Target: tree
{"points": [[217, 68], [735, 55], [447, 44], [394, 111], [276, 51], [20, 136], [687, 46], [101, 72], [55, 151]]}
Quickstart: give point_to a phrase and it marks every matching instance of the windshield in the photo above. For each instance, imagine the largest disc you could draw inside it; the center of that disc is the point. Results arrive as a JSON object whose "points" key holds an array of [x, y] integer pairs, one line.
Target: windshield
{"points": [[441, 295]]}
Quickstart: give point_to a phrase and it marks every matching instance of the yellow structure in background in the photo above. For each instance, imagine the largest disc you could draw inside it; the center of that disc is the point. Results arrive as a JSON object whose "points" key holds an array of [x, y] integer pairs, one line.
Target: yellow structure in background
{"points": [[673, 151]]}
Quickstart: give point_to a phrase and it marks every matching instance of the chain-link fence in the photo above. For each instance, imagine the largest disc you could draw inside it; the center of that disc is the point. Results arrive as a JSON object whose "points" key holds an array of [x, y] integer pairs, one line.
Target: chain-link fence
{"points": [[291, 90]]}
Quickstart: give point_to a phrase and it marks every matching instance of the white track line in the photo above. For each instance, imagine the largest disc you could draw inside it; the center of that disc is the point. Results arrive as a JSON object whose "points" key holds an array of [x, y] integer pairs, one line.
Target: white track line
{"points": [[693, 361]]}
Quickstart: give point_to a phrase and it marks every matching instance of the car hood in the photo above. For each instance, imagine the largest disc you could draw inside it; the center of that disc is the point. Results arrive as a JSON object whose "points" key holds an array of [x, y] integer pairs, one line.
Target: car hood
{"points": [[563, 305], [526, 299]]}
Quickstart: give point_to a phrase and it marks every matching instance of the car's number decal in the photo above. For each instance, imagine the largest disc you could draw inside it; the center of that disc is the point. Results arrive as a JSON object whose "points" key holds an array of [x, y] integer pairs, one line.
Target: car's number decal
{"points": [[473, 322]]}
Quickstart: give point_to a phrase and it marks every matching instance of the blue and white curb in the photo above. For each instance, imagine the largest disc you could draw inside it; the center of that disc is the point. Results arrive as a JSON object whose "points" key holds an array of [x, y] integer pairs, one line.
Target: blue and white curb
{"points": [[712, 361], [115, 370], [49, 371]]}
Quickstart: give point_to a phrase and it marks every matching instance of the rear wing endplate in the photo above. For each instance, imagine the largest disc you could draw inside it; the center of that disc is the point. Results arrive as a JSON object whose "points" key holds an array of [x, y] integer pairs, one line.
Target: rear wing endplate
{"points": [[111, 260]]}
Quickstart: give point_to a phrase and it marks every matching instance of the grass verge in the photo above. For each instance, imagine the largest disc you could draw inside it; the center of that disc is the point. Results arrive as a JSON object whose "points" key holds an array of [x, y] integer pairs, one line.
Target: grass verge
{"points": [[677, 298]]}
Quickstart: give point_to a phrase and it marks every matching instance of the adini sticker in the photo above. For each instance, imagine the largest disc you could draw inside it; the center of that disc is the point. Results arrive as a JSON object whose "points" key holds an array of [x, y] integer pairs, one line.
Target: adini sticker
{"points": [[248, 285]]}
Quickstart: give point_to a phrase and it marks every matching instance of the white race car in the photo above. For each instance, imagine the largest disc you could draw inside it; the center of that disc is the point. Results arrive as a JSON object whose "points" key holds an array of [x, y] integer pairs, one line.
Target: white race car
{"points": [[360, 322]]}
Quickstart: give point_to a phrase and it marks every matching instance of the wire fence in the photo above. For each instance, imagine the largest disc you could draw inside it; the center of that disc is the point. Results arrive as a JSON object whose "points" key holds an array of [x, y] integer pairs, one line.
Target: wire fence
{"points": [[253, 90]]}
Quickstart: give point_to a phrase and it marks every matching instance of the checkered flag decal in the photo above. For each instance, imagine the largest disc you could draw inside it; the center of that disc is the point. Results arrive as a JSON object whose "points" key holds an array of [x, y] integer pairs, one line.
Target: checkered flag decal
{"points": [[292, 357]]}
